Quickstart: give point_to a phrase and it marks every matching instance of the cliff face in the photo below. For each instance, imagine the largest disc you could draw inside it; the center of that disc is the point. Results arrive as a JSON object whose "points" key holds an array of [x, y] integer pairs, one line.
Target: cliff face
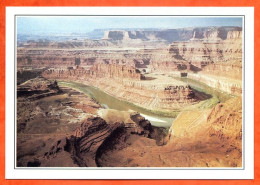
{"points": [[71, 136], [152, 96], [114, 71], [213, 57], [232, 71], [93, 137], [67, 44], [220, 127], [24, 75], [54, 58], [111, 71], [217, 33], [37, 88], [208, 50], [77, 73], [224, 122], [88, 138], [227, 85], [171, 35], [62, 58], [45, 114], [127, 83]]}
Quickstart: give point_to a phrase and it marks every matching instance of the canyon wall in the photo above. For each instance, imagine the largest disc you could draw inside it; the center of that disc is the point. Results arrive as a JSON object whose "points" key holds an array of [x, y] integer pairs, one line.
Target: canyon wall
{"points": [[228, 70], [114, 71], [42, 43], [111, 71], [210, 51], [210, 54], [127, 83], [218, 129], [93, 137], [223, 121], [142, 38], [223, 84], [39, 58], [152, 96], [171, 35], [77, 73], [212, 57], [37, 88]]}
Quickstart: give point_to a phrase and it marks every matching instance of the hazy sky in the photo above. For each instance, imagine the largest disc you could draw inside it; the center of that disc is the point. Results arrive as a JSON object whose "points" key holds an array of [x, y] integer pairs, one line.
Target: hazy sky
{"points": [[83, 24]]}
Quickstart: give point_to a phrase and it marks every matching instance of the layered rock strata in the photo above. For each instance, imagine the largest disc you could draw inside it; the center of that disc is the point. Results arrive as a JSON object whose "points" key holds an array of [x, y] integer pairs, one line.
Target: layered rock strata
{"points": [[43, 120], [26, 74], [114, 71], [171, 35], [209, 138], [227, 85], [221, 127], [70, 135], [38, 88], [71, 73], [94, 136], [127, 83]]}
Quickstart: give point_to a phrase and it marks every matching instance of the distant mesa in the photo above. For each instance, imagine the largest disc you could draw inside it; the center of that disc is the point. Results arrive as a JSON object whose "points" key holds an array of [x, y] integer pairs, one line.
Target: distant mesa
{"points": [[167, 35]]}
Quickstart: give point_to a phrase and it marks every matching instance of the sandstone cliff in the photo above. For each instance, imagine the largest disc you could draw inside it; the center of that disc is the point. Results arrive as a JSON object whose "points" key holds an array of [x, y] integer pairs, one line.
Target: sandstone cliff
{"points": [[220, 127], [114, 71], [228, 85], [67, 44], [128, 83], [171, 35], [93, 137], [38, 88]]}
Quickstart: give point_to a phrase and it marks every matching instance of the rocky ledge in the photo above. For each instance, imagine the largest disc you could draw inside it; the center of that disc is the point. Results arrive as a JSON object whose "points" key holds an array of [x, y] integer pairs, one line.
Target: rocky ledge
{"points": [[38, 87], [93, 137]]}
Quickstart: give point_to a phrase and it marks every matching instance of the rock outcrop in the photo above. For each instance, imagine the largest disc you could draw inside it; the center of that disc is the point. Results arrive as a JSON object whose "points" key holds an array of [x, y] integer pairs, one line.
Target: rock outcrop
{"points": [[38, 88], [26, 74], [66, 44], [228, 70], [230, 86], [115, 71], [87, 139], [209, 138], [128, 83], [45, 116], [94, 136], [71, 129], [221, 127], [171, 35], [77, 73]]}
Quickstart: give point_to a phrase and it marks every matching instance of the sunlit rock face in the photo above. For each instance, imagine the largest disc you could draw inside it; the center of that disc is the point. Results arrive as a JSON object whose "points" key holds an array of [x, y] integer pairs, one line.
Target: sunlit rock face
{"points": [[38, 88], [60, 126], [218, 128]]}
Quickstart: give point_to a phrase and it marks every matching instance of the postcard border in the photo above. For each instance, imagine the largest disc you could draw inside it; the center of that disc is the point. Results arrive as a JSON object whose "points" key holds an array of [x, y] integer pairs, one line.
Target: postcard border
{"points": [[243, 91]]}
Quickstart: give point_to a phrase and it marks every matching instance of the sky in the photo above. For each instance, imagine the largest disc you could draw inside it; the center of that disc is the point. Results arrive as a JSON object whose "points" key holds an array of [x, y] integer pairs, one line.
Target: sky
{"points": [[84, 24]]}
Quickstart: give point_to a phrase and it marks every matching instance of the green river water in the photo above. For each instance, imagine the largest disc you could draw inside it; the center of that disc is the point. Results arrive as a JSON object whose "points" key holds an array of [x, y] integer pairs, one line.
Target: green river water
{"points": [[156, 119]]}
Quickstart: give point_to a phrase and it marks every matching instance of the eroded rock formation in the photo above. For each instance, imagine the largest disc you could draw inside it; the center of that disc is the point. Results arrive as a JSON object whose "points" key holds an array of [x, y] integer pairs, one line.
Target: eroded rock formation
{"points": [[114, 71], [37, 88], [45, 114], [88, 138], [128, 83], [171, 35], [94, 136], [220, 127]]}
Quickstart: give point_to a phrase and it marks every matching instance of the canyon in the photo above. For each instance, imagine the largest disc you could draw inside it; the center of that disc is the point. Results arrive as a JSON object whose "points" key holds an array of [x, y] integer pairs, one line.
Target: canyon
{"points": [[147, 70]]}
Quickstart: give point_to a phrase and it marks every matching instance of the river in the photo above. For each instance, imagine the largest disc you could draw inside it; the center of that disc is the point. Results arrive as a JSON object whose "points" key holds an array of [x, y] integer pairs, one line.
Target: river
{"points": [[111, 102]]}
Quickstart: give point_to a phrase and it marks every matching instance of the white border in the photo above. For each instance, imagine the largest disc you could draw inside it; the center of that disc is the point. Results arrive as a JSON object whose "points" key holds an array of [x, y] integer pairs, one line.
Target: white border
{"points": [[131, 173]]}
